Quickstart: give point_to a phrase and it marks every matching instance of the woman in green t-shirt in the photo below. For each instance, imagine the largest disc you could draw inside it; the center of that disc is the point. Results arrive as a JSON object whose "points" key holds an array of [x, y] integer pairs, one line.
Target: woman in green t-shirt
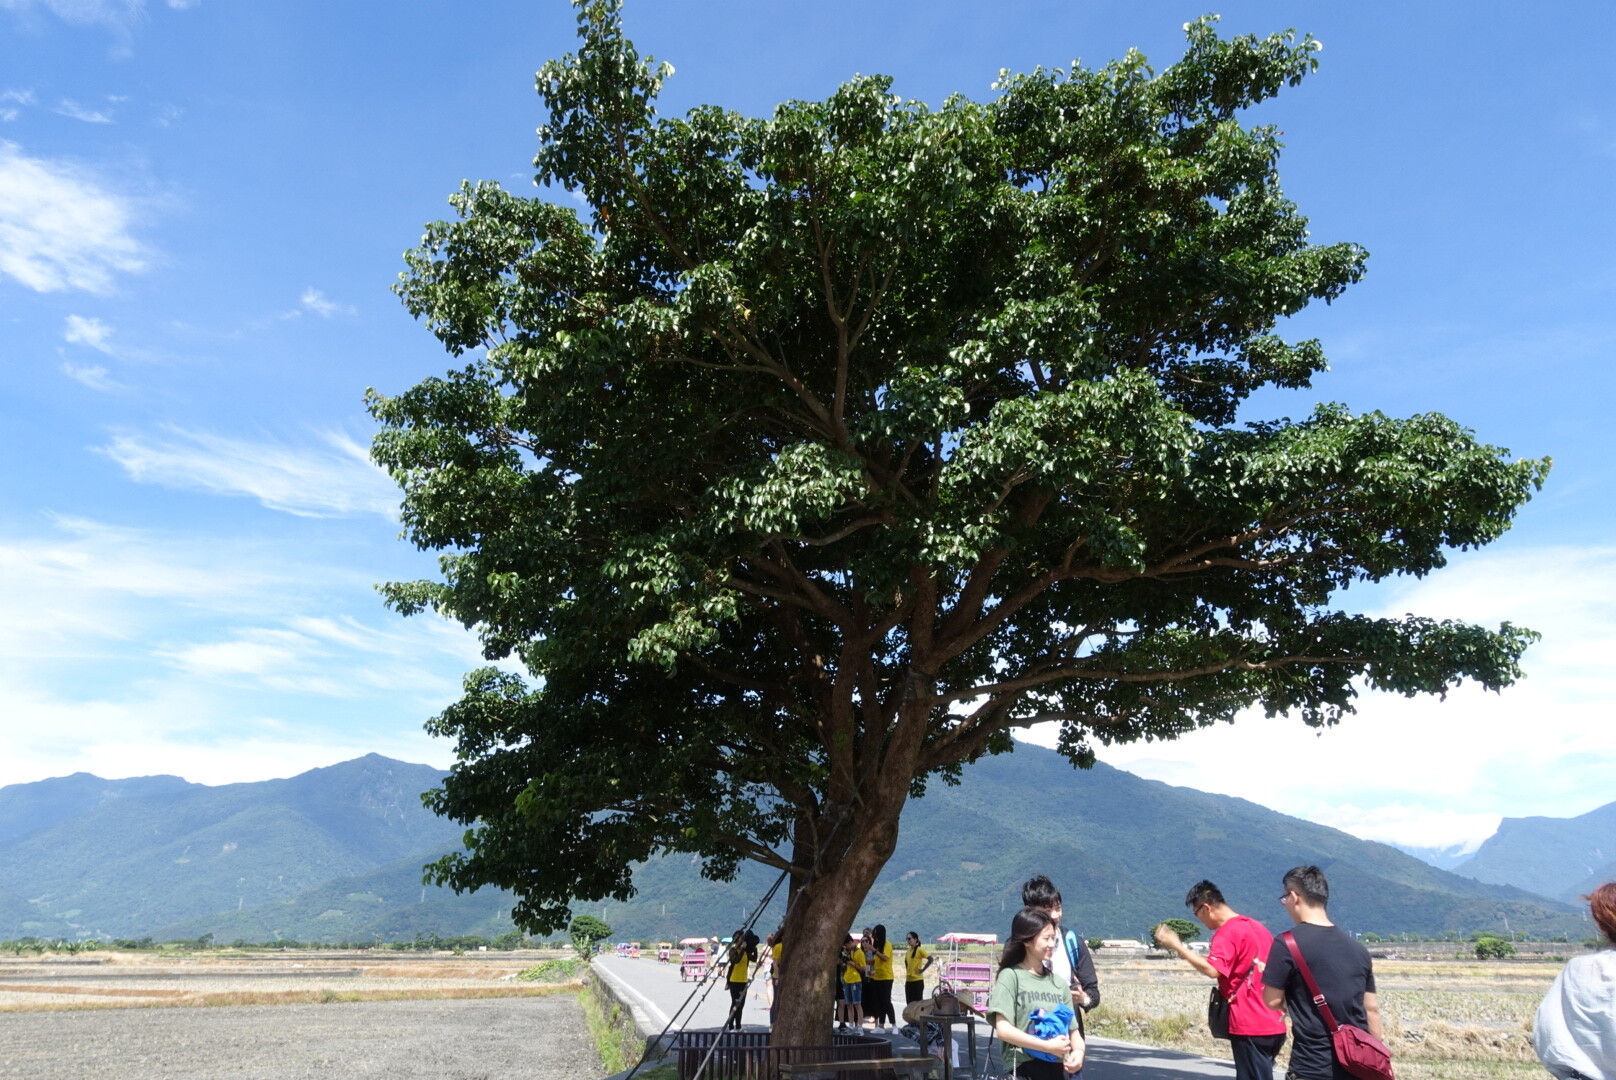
{"points": [[1024, 987]]}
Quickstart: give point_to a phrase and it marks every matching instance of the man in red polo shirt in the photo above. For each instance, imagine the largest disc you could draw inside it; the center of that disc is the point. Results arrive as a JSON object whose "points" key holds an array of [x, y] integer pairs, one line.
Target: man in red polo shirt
{"points": [[1239, 953]]}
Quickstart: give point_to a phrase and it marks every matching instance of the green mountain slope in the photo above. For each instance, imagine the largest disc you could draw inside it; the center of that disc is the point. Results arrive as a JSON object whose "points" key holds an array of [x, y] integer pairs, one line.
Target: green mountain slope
{"points": [[1558, 857], [387, 904], [121, 867], [28, 808], [335, 855], [1123, 851]]}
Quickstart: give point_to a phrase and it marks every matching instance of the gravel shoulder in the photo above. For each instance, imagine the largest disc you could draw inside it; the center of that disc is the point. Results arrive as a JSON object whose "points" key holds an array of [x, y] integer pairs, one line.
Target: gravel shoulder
{"points": [[488, 1039]]}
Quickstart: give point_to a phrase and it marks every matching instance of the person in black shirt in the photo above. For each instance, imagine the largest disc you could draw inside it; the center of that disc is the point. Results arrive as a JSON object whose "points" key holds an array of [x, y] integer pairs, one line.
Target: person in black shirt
{"points": [[1072, 959], [1340, 966]]}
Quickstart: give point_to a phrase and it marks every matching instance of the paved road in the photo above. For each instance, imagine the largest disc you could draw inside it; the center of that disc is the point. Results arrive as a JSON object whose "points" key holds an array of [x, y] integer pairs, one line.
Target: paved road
{"points": [[654, 991]]}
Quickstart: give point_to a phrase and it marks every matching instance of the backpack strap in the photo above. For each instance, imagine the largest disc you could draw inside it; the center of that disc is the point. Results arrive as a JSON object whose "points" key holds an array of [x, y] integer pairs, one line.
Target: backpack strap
{"points": [[1312, 986]]}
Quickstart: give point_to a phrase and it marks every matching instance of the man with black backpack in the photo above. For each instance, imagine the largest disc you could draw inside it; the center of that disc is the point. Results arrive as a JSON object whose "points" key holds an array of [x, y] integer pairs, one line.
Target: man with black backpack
{"points": [[1071, 960]]}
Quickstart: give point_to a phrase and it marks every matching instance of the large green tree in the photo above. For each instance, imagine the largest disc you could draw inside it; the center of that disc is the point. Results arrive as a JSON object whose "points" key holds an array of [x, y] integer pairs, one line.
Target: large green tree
{"points": [[829, 448]]}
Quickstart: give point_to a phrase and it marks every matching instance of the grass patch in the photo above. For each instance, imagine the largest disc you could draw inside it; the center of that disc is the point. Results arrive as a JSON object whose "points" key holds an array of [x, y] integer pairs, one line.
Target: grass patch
{"points": [[617, 1040], [1177, 1030], [93, 991], [1453, 1020], [667, 1070], [558, 970], [147, 1000]]}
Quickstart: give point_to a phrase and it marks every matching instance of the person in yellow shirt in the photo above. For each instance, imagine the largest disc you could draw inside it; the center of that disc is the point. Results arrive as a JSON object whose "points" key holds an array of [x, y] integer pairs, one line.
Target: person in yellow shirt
{"points": [[854, 968], [878, 997], [774, 944], [915, 963], [742, 955]]}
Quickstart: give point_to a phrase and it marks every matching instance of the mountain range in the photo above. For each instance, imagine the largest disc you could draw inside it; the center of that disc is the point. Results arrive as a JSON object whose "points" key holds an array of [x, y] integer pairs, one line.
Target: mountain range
{"points": [[1559, 857], [335, 854]]}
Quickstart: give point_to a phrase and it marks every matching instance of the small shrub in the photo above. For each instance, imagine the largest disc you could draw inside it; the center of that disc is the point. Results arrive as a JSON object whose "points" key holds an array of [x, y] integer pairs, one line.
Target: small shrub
{"points": [[585, 930], [1186, 930], [560, 970]]}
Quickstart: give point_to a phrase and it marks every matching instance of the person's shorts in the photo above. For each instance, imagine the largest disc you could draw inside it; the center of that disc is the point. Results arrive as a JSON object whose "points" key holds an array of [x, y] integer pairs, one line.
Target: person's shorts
{"points": [[853, 993]]}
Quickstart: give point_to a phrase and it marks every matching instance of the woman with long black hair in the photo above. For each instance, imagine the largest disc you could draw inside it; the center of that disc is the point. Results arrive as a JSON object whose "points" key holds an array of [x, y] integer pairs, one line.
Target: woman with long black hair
{"points": [[878, 998], [1027, 1003]]}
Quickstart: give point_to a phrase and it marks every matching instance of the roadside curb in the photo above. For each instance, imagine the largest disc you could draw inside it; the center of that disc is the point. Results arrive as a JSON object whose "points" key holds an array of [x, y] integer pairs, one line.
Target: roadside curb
{"points": [[648, 1019]]}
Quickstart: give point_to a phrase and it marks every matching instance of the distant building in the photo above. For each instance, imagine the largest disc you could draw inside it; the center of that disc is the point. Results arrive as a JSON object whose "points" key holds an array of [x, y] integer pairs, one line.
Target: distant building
{"points": [[1120, 944]]}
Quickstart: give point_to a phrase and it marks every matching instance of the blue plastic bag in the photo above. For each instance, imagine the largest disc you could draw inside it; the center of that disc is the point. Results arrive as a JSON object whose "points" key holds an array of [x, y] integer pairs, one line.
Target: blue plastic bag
{"points": [[1049, 1025]]}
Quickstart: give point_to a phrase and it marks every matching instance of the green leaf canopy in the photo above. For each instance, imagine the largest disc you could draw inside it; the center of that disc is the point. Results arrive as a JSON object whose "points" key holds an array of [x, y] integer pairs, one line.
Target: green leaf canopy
{"points": [[833, 446]]}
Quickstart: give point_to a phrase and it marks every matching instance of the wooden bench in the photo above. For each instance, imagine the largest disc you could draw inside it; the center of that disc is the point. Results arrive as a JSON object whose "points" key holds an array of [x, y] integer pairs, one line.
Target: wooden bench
{"points": [[910, 1068]]}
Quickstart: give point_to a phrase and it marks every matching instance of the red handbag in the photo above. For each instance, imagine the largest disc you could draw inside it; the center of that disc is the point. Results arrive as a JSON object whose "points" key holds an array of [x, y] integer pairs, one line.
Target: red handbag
{"points": [[1359, 1052]]}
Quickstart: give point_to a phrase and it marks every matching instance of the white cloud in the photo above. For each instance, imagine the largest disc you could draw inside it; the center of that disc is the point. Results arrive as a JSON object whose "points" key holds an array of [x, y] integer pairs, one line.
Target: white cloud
{"points": [[12, 103], [315, 301], [1430, 772], [60, 228], [129, 652], [72, 109], [92, 332], [338, 480], [344, 662], [185, 731], [120, 17], [113, 14], [87, 586], [1415, 826], [92, 375]]}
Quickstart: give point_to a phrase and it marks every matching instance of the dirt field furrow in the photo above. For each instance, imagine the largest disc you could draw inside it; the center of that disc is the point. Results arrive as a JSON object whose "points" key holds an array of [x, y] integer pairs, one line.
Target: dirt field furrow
{"points": [[490, 1039]]}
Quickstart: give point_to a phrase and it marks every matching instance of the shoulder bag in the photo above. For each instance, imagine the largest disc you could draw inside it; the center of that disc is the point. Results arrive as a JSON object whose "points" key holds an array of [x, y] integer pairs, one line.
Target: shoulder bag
{"points": [[1359, 1052], [1217, 1006], [1217, 1015], [945, 1001]]}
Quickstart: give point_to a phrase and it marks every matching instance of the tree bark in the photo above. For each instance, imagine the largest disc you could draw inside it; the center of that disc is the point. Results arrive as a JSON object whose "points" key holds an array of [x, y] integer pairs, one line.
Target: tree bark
{"points": [[821, 914]]}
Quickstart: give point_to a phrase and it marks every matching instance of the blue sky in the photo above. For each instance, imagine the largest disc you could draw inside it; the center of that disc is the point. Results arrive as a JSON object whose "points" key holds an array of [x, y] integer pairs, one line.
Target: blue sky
{"points": [[203, 203]]}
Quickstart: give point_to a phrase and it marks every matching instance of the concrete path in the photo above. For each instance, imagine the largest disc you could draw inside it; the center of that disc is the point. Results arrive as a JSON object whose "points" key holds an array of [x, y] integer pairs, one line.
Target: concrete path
{"points": [[656, 995]]}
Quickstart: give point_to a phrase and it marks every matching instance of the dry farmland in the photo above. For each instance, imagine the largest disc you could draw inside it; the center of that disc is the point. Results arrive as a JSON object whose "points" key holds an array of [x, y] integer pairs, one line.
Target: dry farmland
{"points": [[288, 1016], [1445, 1020], [124, 979]]}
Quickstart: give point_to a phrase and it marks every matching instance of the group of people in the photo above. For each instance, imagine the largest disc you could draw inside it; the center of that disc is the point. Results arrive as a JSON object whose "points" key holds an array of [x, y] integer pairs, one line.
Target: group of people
{"points": [[1037, 1005], [864, 978], [1262, 979], [1046, 982]]}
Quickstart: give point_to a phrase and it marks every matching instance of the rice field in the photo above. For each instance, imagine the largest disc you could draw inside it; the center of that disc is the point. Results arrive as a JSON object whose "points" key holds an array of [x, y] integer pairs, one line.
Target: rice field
{"points": [[141, 980], [1452, 1020]]}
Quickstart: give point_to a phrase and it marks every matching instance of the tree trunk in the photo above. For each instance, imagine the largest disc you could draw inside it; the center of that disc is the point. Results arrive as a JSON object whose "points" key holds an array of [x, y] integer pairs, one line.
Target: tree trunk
{"points": [[821, 913]]}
